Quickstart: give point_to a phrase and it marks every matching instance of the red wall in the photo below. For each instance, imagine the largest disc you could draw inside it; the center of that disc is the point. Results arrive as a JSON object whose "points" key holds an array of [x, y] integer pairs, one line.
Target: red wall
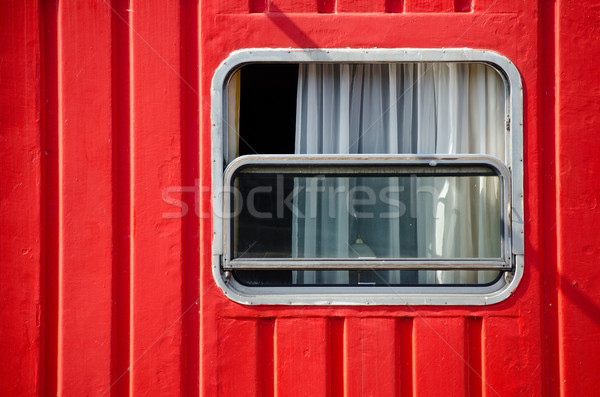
{"points": [[104, 105]]}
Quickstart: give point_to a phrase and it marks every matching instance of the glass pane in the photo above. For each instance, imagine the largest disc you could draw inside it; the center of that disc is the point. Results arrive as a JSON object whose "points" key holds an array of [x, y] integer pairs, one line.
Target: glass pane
{"points": [[434, 215]]}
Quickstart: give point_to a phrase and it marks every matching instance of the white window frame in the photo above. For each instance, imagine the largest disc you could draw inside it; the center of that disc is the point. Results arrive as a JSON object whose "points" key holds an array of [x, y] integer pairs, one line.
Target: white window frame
{"points": [[374, 295]]}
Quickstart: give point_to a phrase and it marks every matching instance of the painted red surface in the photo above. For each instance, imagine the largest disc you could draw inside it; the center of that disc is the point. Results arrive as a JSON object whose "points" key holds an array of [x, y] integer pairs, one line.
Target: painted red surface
{"points": [[103, 105]]}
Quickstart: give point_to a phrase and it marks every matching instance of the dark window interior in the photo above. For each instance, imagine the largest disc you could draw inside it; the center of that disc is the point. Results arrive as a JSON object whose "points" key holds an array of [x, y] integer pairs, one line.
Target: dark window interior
{"points": [[267, 126], [268, 108]]}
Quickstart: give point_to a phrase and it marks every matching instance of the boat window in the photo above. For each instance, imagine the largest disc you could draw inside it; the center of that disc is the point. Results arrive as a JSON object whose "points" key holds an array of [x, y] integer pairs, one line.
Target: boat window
{"points": [[366, 175]]}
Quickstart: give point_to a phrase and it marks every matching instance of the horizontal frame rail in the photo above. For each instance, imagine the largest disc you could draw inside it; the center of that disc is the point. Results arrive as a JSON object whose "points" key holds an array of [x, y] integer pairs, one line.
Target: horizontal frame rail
{"points": [[366, 263]]}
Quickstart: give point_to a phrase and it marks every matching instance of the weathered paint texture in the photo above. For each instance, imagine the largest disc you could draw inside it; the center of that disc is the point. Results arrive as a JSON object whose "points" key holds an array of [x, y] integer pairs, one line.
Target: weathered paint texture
{"points": [[105, 105]]}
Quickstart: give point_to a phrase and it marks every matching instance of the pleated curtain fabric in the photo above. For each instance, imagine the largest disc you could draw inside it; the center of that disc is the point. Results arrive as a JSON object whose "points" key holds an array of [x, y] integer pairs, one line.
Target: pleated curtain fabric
{"points": [[426, 108]]}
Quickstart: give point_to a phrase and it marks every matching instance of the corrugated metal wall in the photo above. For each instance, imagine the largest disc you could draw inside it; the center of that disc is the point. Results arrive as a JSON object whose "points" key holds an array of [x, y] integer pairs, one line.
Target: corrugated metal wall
{"points": [[101, 105], [104, 108]]}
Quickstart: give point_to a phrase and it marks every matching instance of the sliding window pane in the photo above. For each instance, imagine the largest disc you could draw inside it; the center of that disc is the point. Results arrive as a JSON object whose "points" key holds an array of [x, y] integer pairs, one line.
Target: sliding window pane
{"points": [[447, 214]]}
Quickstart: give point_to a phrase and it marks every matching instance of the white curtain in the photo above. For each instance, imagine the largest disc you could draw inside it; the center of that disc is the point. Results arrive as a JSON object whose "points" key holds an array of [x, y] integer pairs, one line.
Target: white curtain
{"points": [[442, 108]]}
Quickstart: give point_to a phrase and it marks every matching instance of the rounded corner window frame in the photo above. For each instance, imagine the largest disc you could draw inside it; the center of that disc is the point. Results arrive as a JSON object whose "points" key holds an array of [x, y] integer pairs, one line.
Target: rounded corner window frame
{"points": [[389, 295]]}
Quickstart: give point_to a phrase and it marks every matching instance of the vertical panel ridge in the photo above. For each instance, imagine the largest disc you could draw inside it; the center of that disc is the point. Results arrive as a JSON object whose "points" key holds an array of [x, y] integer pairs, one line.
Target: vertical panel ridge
{"points": [[548, 212], [335, 340], [121, 199], [300, 353], [156, 252], [21, 203], [394, 6], [190, 149], [473, 359], [430, 5], [463, 5], [326, 6], [50, 166], [85, 197], [370, 340], [131, 163], [404, 352], [266, 357], [257, 6]]}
